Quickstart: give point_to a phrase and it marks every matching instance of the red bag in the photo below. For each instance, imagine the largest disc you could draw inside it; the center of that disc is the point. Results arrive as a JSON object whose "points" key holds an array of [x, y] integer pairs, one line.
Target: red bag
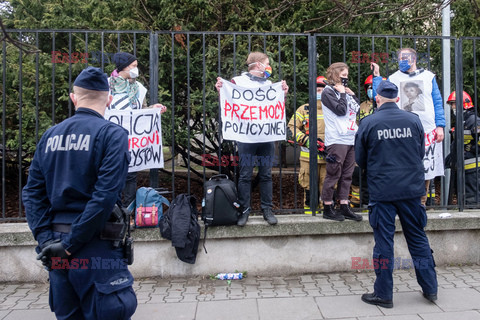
{"points": [[149, 208], [147, 216]]}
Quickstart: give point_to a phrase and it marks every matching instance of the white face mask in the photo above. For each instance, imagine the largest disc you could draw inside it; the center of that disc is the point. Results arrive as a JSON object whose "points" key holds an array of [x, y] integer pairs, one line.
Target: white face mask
{"points": [[133, 73]]}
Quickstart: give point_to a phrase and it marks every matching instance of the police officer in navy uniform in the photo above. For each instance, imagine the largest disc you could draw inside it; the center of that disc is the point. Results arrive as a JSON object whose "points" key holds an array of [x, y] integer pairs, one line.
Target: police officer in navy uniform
{"points": [[390, 145], [75, 179]]}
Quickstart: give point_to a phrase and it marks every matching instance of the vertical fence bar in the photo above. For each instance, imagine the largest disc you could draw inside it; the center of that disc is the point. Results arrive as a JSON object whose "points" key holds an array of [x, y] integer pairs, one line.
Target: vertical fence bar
{"points": [[329, 50], [387, 73], [204, 103], [20, 125], [219, 111], [102, 49], [36, 89], [312, 101], [474, 42], [135, 43], [70, 72], [188, 112], [4, 131], [280, 144], [459, 129], [234, 55], [295, 188], [86, 48], [172, 121], [153, 88], [53, 81]]}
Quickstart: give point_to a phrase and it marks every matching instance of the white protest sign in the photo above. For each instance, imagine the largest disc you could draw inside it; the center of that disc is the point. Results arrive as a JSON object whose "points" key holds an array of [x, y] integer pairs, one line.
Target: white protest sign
{"points": [[144, 136], [433, 159], [253, 114]]}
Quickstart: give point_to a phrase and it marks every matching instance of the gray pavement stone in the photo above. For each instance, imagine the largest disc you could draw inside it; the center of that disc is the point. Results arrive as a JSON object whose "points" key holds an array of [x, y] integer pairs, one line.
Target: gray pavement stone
{"points": [[405, 303], [9, 288], [460, 299], [30, 314], [166, 311], [400, 317], [306, 279], [158, 298], [288, 309], [463, 315], [229, 309], [345, 306], [459, 296]]}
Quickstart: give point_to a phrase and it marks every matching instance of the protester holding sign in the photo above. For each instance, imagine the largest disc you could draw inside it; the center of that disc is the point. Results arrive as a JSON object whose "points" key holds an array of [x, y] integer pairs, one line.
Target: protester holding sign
{"points": [[128, 94], [340, 113], [254, 118], [428, 106]]}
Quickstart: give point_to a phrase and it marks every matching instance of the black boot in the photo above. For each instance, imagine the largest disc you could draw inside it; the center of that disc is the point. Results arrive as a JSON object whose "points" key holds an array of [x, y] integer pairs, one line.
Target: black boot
{"points": [[348, 213], [269, 217], [330, 213], [242, 220]]}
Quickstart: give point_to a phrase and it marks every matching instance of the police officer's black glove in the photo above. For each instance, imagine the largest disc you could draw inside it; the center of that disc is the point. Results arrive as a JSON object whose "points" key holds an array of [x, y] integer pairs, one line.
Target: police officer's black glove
{"points": [[53, 249]]}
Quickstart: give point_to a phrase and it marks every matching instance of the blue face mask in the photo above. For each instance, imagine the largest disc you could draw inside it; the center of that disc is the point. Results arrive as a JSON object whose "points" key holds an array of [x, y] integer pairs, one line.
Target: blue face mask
{"points": [[404, 66], [370, 94], [319, 96]]}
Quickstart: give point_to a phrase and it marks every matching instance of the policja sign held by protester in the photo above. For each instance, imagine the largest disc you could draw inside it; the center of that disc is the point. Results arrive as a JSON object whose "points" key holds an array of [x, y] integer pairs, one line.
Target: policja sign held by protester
{"points": [[253, 114], [144, 136]]}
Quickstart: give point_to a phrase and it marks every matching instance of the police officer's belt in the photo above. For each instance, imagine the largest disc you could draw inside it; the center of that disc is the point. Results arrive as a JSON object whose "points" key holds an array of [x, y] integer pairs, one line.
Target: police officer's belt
{"points": [[112, 230]]}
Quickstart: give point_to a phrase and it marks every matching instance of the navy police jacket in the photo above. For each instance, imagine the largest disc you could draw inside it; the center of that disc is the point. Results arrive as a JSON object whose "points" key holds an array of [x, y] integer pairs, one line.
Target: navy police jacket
{"points": [[390, 145], [76, 177]]}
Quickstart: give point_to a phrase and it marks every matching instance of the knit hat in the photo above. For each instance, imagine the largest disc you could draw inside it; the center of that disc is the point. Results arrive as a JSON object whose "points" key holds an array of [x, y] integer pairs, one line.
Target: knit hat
{"points": [[387, 90], [123, 60], [92, 79]]}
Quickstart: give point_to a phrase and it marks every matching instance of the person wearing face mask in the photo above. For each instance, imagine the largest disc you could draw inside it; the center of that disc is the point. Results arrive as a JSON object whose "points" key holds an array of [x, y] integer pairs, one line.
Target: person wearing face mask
{"points": [[340, 108], [471, 146], [430, 109], [298, 130], [128, 94], [366, 107], [259, 70]]}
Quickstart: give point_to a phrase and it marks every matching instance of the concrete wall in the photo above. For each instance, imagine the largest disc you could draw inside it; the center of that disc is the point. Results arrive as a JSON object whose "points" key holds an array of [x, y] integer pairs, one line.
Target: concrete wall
{"points": [[298, 244]]}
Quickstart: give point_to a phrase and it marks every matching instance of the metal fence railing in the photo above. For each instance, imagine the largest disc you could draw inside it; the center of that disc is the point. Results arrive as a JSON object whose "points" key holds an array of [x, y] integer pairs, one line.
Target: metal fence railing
{"points": [[180, 68]]}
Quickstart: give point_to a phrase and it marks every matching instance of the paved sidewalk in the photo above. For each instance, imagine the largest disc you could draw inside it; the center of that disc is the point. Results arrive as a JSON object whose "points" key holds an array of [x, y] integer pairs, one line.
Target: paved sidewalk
{"points": [[315, 296]]}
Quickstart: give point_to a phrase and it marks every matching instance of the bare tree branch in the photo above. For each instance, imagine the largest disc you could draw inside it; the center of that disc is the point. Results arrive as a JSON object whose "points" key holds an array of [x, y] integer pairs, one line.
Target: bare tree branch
{"points": [[24, 47]]}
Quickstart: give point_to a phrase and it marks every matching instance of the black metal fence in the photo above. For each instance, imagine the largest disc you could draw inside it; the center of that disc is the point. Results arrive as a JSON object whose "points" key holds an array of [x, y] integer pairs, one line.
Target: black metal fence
{"points": [[180, 69]]}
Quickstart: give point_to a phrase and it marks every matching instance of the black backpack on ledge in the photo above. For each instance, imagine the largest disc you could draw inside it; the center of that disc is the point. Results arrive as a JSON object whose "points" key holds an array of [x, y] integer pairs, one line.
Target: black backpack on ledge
{"points": [[220, 205]]}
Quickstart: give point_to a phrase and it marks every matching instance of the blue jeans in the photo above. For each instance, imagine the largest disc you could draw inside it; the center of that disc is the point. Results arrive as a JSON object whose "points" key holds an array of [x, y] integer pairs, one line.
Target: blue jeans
{"points": [[413, 219], [252, 155]]}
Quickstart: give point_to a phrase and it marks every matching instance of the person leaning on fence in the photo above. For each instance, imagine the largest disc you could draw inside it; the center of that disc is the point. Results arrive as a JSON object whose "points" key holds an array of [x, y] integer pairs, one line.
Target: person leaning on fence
{"points": [[75, 179], [340, 107], [128, 94], [390, 145], [259, 70], [430, 109], [298, 129]]}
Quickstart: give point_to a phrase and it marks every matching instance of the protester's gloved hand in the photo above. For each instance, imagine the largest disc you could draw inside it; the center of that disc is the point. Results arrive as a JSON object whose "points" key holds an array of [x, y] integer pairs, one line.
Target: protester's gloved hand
{"points": [[52, 249], [321, 148]]}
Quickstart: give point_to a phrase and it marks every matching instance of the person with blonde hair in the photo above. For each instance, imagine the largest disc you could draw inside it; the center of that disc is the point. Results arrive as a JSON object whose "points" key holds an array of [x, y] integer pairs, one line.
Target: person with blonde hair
{"points": [[340, 107], [259, 70]]}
